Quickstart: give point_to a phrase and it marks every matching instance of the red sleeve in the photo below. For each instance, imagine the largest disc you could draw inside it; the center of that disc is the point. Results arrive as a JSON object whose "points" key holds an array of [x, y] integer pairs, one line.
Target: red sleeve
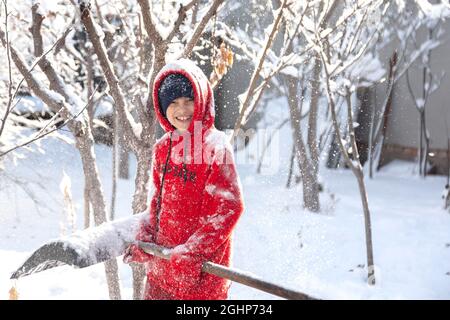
{"points": [[222, 205]]}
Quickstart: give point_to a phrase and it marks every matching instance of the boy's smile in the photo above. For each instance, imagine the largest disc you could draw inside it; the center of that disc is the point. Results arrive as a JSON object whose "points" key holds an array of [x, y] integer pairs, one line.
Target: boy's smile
{"points": [[180, 112]]}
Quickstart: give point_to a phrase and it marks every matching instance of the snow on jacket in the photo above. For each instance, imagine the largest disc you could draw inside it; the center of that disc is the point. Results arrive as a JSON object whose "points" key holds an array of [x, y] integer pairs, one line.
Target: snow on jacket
{"points": [[197, 199]]}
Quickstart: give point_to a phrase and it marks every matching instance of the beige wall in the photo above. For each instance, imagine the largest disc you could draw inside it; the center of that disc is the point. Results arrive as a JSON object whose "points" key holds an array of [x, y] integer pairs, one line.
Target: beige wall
{"points": [[404, 122]]}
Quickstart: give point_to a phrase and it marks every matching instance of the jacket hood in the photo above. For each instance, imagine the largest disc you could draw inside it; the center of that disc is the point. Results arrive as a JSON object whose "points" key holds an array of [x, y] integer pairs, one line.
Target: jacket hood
{"points": [[203, 95]]}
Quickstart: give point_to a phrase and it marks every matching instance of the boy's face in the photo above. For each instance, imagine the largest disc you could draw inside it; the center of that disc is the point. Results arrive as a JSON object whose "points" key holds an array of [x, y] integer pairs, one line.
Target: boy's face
{"points": [[180, 112]]}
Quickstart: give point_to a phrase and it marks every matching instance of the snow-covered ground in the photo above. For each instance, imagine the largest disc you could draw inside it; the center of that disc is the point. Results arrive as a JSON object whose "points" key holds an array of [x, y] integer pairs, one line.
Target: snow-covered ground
{"points": [[320, 254]]}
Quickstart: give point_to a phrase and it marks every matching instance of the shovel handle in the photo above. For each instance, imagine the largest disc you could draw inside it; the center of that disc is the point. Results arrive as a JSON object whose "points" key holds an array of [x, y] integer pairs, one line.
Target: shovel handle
{"points": [[232, 274]]}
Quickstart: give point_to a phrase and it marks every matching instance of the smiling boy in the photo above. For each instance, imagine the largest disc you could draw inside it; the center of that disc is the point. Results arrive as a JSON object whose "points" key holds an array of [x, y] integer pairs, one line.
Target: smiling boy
{"points": [[198, 196]]}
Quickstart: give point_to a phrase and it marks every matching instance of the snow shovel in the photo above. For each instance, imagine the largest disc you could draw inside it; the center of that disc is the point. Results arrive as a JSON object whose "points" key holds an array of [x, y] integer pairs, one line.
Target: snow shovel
{"points": [[231, 274], [109, 240]]}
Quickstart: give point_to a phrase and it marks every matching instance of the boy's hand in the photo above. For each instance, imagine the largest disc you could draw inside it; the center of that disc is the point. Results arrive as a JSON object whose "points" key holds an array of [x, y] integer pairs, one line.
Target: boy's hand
{"points": [[135, 254]]}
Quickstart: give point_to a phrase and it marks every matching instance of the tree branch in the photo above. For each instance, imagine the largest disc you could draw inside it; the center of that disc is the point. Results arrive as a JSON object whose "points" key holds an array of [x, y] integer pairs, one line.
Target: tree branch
{"points": [[200, 27], [333, 113], [181, 16], [10, 95], [149, 26], [54, 102], [252, 85], [127, 120], [55, 80], [41, 134]]}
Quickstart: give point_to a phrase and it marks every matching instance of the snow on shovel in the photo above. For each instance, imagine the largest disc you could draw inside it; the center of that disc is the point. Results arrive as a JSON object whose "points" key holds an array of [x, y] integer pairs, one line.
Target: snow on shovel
{"points": [[109, 240], [84, 248]]}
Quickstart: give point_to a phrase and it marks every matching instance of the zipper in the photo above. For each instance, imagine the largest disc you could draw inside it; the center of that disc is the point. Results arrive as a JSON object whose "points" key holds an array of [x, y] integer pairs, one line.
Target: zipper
{"points": [[184, 160], [159, 200]]}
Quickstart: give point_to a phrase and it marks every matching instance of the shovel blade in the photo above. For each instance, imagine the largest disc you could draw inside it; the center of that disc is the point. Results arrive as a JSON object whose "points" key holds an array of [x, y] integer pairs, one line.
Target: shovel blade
{"points": [[83, 248]]}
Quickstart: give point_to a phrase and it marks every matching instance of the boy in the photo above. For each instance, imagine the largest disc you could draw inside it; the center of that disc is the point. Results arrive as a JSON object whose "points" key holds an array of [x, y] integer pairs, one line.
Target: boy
{"points": [[197, 199]]}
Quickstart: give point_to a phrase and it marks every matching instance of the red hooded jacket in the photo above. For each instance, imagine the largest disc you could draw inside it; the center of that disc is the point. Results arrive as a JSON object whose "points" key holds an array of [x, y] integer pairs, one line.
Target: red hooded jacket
{"points": [[197, 199]]}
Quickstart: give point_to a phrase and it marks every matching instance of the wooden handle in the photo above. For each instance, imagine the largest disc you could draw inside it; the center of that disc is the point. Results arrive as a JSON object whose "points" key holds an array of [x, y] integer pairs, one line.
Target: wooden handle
{"points": [[231, 274]]}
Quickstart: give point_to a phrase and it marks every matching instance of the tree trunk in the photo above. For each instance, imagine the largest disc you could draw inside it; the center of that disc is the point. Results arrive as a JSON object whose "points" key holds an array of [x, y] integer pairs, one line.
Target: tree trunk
{"points": [[139, 205], [367, 224], [114, 149], [144, 160], [380, 131], [85, 145], [291, 167], [309, 179], [420, 149], [87, 207], [91, 114], [370, 148], [83, 137], [312, 121], [124, 163], [425, 144]]}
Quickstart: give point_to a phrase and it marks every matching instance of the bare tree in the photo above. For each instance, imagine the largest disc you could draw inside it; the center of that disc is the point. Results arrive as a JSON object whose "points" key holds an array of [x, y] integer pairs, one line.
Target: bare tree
{"points": [[308, 150], [429, 83], [341, 61], [130, 54], [377, 130], [406, 19]]}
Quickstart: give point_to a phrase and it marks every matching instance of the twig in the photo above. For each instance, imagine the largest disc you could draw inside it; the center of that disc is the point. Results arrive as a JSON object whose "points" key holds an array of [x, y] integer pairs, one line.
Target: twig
{"points": [[181, 16], [38, 60], [269, 141], [40, 136], [10, 96], [251, 88]]}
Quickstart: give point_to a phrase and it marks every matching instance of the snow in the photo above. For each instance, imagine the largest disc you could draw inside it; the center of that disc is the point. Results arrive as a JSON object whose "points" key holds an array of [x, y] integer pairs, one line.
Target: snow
{"points": [[368, 69], [212, 189], [322, 255], [104, 108], [218, 139], [137, 129], [30, 104], [111, 237], [290, 71], [420, 103], [434, 11]]}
